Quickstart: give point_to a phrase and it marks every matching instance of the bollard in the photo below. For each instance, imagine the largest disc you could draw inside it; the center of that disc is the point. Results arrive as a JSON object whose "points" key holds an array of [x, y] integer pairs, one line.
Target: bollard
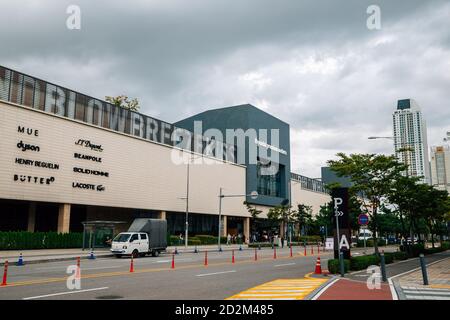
{"points": [[256, 255], [20, 261], [5, 274], [424, 269], [312, 250], [305, 252], [173, 261], [341, 263], [318, 249], [206, 258], [195, 250], [383, 267], [259, 246], [290, 253], [232, 256], [176, 250], [274, 253], [240, 247]]}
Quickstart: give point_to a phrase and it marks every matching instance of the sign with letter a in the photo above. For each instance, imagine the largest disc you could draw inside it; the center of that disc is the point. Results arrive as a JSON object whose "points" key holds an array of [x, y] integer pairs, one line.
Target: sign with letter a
{"points": [[340, 208]]}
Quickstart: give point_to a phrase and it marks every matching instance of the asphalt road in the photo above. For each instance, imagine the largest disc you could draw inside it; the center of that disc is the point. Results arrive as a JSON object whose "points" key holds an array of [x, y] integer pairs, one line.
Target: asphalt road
{"points": [[109, 278]]}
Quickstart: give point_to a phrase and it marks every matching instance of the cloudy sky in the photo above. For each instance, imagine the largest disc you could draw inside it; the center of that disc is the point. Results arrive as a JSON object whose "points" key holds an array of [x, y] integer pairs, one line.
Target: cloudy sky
{"points": [[311, 63]]}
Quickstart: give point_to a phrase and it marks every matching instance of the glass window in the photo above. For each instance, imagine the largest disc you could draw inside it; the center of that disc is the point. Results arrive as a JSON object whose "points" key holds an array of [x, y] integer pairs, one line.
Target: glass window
{"points": [[16, 88], [143, 236], [28, 91], [81, 105], [39, 95], [5, 78]]}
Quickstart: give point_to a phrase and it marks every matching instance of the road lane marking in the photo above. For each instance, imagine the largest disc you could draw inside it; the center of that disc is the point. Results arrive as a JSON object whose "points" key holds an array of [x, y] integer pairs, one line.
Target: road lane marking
{"points": [[214, 273], [65, 293], [283, 289], [285, 264]]}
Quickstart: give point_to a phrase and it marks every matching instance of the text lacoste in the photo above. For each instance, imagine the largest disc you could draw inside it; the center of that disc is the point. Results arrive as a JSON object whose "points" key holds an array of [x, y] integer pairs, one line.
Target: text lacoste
{"points": [[89, 144], [33, 179], [88, 186], [26, 146], [86, 157], [92, 172], [40, 164]]}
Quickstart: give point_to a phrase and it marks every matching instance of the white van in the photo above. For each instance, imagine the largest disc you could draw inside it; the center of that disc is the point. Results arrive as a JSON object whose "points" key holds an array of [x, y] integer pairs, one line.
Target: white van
{"points": [[365, 233]]}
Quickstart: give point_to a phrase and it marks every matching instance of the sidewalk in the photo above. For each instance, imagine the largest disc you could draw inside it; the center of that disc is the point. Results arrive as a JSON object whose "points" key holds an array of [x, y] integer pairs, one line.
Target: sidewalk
{"points": [[49, 255], [346, 289], [410, 286]]}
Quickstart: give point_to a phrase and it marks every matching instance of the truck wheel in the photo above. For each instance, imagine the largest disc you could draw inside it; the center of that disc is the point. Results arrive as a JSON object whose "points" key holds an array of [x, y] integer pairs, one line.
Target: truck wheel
{"points": [[155, 253], [135, 253]]}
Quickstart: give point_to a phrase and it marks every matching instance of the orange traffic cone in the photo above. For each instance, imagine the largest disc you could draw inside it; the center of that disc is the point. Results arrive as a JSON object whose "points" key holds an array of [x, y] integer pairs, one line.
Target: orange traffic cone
{"points": [[173, 261], [206, 258], [232, 256], [318, 267], [290, 251], [78, 270], [274, 252], [5, 274], [132, 264]]}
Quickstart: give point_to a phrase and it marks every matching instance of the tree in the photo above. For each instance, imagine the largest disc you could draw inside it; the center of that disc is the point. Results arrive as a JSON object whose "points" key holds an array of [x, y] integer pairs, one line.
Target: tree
{"points": [[123, 101], [372, 176], [281, 214], [254, 214], [303, 216]]}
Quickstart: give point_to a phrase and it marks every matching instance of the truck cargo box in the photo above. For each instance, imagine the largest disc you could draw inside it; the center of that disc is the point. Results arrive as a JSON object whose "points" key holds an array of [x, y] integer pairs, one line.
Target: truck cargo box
{"points": [[155, 228]]}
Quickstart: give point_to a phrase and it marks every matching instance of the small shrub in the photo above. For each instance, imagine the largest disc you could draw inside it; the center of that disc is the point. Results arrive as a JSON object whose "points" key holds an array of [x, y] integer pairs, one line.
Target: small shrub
{"points": [[334, 268], [400, 255], [362, 262]]}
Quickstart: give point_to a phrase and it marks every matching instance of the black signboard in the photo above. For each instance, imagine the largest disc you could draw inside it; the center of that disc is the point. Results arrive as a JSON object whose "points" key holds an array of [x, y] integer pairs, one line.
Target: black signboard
{"points": [[340, 208]]}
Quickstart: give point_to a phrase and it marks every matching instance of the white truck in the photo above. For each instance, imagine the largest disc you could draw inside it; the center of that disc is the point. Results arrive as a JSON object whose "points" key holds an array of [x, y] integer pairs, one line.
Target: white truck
{"points": [[145, 236]]}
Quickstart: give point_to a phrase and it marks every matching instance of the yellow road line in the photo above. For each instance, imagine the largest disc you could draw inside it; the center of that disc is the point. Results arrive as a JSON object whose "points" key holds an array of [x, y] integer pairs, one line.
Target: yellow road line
{"points": [[296, 289]]}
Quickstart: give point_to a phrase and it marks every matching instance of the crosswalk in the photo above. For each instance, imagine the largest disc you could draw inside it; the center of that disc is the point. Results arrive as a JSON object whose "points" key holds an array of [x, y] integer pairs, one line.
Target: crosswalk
{"points": [[281, 289], [416, 293]]}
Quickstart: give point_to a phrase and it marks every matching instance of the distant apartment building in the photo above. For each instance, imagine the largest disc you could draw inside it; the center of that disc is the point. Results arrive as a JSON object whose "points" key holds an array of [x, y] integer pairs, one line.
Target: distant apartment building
{"points": [[410, 139], [440, 167]]}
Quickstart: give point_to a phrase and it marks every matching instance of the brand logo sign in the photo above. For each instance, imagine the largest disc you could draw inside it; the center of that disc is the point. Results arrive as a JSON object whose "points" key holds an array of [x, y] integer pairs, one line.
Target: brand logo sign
{"points": [[88, 186], [89, 144], [35, 163], [33, 179], [92, 172], [86, 157], [25, 146]]}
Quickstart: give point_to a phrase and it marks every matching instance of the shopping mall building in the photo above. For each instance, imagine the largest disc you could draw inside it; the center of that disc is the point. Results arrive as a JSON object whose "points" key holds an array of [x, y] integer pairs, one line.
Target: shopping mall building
{"points": [[67, 158]]}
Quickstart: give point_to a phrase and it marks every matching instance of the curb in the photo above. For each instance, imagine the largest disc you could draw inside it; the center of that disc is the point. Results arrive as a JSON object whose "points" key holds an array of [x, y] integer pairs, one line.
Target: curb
{"points": [[56, 259]]}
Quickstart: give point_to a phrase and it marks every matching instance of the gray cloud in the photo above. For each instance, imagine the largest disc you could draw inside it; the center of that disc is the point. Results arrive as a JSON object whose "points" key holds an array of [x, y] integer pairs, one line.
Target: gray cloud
{"points": [[311, 63]]}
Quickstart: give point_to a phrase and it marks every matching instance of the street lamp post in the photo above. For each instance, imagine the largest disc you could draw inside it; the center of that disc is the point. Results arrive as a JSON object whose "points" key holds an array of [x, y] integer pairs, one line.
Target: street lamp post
{"points": [[186, 227], [253, 194]]}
